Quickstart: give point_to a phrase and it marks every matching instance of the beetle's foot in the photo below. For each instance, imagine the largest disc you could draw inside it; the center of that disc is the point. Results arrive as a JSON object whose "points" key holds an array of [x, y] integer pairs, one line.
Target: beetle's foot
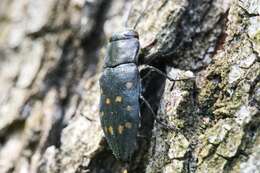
{"points": [[166, 126]]}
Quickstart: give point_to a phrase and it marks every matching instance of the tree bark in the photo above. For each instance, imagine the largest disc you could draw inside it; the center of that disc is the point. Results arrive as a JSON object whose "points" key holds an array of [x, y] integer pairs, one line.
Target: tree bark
{"points": [[51, 57]]}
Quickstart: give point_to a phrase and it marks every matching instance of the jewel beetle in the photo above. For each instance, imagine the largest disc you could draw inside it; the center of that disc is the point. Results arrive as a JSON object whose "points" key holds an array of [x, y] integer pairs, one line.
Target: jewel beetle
{"points": [[120, 87], [120, 92]]}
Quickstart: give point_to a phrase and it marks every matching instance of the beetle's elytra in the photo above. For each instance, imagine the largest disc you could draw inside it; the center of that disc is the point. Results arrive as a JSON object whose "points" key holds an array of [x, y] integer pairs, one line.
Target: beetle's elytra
{"points": [[120, 91]]}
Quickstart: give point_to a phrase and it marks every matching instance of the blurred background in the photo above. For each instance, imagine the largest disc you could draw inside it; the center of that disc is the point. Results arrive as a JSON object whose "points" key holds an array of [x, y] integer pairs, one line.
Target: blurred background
{"points": [[51, 57]]}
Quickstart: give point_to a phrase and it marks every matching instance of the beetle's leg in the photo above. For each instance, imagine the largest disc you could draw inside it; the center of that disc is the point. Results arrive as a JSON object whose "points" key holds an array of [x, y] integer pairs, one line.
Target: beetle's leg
{"points": [[149, 45], [89, 119], [163, 124], [161, 73]]}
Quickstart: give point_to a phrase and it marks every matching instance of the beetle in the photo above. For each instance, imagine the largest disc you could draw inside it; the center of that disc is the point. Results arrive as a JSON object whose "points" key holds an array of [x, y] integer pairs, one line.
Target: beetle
{"points": [[120, 87], [120, 91]]}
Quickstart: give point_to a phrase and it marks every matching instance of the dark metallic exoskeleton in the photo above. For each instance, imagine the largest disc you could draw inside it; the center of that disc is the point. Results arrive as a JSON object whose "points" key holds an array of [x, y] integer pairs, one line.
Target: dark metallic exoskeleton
{"points": [[120, 92]]}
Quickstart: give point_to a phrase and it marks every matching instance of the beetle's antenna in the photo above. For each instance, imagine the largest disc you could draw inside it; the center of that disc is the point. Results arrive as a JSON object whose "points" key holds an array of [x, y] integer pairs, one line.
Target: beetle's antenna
{"points": [[142, 14], [126, 16]]}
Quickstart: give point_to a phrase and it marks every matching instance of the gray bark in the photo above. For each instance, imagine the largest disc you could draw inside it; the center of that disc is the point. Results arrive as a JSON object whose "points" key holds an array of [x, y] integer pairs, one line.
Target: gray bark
{"points": [[51, 57]]}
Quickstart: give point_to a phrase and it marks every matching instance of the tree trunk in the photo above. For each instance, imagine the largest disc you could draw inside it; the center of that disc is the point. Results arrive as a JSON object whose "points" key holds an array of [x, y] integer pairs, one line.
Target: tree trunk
{"points": [[51, 57]]}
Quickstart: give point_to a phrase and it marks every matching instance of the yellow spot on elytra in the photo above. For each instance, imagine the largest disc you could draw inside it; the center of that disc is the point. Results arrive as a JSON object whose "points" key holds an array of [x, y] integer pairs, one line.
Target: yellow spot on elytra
{"points": [[110, 130], [118, 99], [129, 108], [129, 85], [128, 125], [101, 114], [120, 129], [125, 171], [108, 101]]}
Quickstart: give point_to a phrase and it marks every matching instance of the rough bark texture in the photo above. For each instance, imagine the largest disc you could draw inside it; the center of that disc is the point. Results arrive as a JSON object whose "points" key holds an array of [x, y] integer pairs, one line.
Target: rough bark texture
{"points": [[51, 57]]}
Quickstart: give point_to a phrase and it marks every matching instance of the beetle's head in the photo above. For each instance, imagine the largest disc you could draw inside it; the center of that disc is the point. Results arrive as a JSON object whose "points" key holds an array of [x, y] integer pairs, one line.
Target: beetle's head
{"points": [[123, 48], [124, 35]]}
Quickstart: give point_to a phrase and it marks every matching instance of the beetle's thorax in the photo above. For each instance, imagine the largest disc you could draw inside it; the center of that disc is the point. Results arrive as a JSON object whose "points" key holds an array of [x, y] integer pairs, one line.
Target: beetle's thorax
{"points": [[123, 48]]}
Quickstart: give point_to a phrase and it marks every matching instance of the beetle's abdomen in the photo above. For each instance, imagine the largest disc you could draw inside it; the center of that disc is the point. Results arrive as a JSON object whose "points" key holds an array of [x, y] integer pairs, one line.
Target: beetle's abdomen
{"points": [[119, 108]]}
